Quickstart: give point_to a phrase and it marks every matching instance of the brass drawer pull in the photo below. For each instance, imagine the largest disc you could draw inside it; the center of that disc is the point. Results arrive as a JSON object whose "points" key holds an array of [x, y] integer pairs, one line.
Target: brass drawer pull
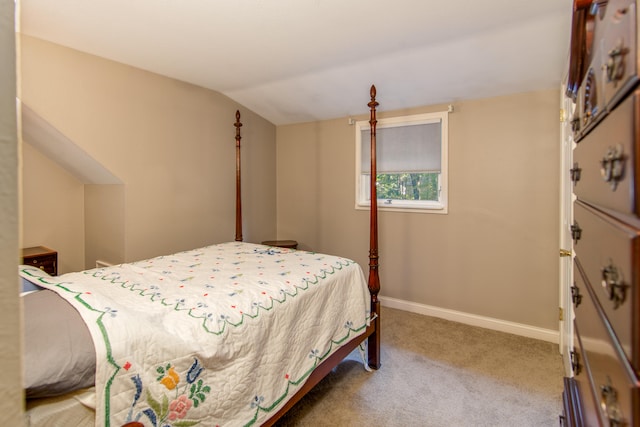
{"points": [[575, 123], [612, 166], [563, 420], [576, 232], [576, 296], [575, 173], [575, 362], [609, 404], [613, 284], [614, 66]]}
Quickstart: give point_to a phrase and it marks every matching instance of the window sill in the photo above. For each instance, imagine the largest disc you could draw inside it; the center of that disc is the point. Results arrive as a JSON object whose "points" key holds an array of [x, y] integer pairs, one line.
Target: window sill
{"points": [[398, 207]]}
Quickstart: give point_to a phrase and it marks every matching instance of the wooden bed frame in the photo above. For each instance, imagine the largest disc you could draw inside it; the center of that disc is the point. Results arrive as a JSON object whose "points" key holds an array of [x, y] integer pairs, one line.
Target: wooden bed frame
{"points": [[372, 334]]}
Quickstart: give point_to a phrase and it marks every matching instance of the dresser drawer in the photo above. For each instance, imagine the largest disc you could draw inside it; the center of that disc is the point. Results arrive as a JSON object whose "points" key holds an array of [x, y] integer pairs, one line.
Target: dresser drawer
{"points": [[604, 173], [584, 404], [608, 254], [619, 63], [614, 384]]}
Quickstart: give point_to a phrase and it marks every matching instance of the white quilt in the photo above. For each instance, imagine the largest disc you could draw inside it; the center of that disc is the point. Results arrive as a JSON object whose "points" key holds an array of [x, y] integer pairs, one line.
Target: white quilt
{"points": [[219, 336]]}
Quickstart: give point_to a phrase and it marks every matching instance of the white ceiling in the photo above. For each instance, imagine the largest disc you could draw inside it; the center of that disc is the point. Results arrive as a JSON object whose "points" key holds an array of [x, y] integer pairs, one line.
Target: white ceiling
{"points": [[305, 60]]}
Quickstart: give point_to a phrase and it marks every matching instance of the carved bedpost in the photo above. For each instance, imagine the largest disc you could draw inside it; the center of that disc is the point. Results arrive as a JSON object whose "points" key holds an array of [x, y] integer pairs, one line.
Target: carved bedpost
{"points": [[238, 125], [374, 279]]}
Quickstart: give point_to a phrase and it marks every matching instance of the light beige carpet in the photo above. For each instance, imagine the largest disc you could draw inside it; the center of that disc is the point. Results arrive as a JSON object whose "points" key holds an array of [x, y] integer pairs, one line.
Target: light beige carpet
{"points": [[440, 373]]}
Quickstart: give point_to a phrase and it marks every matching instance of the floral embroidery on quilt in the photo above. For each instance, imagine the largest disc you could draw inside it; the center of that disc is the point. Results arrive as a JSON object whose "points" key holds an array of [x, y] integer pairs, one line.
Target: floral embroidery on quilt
{"points": [[170, 409]]}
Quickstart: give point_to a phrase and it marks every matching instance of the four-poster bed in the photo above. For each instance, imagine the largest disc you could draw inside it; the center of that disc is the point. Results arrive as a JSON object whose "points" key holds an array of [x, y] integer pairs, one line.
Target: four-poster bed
{"points": [[213, 320], [372, 333]]}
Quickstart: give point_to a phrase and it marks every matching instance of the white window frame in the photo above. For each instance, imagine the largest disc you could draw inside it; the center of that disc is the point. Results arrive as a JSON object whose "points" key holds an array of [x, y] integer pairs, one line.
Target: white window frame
{"points": [[422, 206]]}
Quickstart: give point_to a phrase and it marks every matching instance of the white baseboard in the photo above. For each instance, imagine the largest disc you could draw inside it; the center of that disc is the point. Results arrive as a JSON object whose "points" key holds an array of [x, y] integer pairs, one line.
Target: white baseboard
{"points": [[100, 264], [474, 320]]}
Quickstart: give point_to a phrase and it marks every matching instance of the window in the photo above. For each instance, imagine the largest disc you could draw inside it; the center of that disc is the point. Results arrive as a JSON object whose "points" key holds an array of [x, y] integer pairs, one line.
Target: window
{"points": [[411, 163]]}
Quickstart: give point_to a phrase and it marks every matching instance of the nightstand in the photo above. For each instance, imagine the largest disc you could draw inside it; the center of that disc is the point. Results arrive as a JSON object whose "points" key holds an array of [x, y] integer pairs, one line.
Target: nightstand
{"points": [[289, 244], [41, 257]]}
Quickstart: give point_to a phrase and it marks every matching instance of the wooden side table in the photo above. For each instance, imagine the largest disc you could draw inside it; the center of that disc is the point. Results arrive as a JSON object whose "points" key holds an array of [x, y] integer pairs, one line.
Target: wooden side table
{"points": [[289, 244], [41, 257]]}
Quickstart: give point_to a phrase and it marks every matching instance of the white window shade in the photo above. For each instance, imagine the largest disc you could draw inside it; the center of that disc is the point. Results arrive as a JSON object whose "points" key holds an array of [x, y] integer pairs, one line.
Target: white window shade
{"points": [[414, 148]]}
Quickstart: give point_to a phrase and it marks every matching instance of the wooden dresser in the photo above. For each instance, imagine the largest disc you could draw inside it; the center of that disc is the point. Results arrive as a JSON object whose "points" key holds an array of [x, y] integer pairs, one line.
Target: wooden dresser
{"points": [[41, 257], [604, 389]]}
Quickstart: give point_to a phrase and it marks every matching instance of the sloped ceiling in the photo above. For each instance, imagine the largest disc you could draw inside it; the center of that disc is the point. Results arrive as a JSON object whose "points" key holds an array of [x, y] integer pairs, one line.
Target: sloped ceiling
{"points": [[56, 146], [305, 60]]}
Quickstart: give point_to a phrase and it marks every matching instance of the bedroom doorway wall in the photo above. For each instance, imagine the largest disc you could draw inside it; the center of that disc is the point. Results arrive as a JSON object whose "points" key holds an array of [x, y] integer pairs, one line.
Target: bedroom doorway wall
{"points": [[11, 404]]}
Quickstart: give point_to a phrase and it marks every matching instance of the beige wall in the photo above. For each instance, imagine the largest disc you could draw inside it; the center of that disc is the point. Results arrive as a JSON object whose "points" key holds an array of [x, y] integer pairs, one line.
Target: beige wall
{"points": [[172, 145], [53, 203], [493, 255], [11, 395], [104, 234]]}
